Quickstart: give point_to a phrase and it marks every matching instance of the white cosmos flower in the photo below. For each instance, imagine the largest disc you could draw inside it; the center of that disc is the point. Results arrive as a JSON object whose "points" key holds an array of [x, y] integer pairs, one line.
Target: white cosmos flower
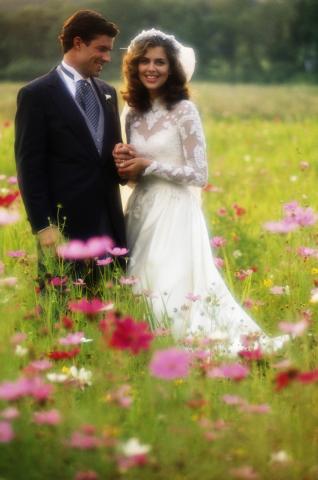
{"points": [[133, 447], [83, 376]]}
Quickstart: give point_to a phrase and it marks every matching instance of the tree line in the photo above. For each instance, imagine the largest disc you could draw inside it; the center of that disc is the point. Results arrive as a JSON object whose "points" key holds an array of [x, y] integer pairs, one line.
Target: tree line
{"points": [[235, 40]]}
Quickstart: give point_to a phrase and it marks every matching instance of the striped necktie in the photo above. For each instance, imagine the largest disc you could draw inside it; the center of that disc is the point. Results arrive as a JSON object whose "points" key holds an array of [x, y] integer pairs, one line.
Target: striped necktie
{"points": [[85, 97]]}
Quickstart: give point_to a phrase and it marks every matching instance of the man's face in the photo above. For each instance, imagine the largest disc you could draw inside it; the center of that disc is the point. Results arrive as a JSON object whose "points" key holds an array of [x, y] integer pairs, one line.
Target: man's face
{"points": [[91, 57]]}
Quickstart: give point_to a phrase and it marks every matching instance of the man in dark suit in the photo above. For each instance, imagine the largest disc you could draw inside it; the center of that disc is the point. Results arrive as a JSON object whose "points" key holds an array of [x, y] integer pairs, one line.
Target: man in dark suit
{"points": [[67, 124]]}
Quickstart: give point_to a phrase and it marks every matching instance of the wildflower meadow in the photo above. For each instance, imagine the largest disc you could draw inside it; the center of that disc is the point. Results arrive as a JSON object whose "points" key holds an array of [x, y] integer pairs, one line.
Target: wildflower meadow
{"points": [[91, 389]]}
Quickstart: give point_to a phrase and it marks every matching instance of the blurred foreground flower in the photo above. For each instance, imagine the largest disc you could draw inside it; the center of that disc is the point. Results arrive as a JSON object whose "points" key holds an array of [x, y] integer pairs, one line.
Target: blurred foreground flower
{"points": [[245, 473], [295, 329], [6, 432], [81, 250], [74, 339], [8, 217], [123, 333], [90, 307], [233, 371], [132, 454], [49, 417], [170, 364], [7, 200]]}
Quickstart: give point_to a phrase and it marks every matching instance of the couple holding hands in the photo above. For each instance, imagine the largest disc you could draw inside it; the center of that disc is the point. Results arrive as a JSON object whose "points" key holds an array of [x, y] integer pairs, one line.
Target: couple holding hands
{"points": [[71, 160]]}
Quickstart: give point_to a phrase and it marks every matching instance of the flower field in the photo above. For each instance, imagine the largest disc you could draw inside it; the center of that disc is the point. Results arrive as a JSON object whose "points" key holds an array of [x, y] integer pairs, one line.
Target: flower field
{"points": [[89, 390]]}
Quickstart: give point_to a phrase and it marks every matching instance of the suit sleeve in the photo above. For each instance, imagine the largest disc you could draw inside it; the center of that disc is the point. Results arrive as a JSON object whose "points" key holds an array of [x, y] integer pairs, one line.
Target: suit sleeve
{"points": [[30, 154]]}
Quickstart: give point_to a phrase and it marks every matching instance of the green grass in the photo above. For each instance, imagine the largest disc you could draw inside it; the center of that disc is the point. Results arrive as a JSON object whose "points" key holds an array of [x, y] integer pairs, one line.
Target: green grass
{"points": [[257, 137]]}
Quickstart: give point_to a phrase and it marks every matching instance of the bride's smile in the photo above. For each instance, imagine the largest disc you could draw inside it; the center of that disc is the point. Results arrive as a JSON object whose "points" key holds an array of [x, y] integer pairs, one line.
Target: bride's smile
{"points": [[153, 69]]}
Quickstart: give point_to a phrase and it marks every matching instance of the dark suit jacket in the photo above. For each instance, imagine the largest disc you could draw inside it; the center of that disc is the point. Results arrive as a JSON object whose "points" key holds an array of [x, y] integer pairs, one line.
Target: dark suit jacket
{"points": [[62, 177]]}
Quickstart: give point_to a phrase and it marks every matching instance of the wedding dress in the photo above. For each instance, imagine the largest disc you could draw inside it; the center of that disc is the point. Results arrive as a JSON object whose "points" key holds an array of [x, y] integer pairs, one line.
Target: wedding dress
{"points": [[167, 235]]}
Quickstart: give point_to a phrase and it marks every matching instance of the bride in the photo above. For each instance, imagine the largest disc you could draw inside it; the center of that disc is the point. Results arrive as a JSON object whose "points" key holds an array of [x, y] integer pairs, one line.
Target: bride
{"points": [[166, 231]]}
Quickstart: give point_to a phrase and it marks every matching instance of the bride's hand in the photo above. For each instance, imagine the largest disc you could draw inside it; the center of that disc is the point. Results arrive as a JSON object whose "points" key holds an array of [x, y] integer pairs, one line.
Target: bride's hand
{"points": [[132, 168], [123, 152]]}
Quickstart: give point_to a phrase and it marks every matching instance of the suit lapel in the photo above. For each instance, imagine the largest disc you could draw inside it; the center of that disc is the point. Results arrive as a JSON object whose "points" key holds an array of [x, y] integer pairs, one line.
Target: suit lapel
{"points": [[70, 112]]}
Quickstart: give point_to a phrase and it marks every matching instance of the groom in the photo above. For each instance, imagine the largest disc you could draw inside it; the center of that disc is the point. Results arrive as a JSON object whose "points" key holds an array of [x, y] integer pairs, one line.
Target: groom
{"points": [[67, 124]]}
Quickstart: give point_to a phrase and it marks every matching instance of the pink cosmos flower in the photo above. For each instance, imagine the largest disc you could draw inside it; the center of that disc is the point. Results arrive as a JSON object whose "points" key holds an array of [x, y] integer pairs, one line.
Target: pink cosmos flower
{"points": [[222, 212], [279, 290], [90, 307], [296, 329], [10, 413], [118, 252], [260, 409], [233, 400], [307, 252], [243, 274], [233, 371], [18, 338], [239, 211], [86, 475], [16, 253], [170, 364], [50, 417], [245, 473], [219, 262], [303, 165], [8, 282], [104, 261], [122, 396], [192, 297], [6, 432], [218, 242], [12, 180], [128, 280], [80, 250], [7, 217], [282, 226], [84, 441], [72, 339], [38, 366]]}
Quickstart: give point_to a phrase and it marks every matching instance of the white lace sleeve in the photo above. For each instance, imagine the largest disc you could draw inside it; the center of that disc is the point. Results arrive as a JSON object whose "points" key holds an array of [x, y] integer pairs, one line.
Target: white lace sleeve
{"points": [[194, 171]]}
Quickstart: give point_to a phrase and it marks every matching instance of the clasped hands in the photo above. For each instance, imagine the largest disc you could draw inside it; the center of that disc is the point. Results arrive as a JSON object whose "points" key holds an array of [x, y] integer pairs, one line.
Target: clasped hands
{"points": [[129, 165]]}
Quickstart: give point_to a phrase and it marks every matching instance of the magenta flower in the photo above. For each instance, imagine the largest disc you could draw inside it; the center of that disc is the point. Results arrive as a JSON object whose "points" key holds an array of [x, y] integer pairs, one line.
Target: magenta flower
{"points": [[282, 226], [170, 364], [89, 307], [80, 250], [233, 371], [6, 432], [23, 387], [50, 417], [130, 335], [58, 281], [218, 242], [295, 329]]}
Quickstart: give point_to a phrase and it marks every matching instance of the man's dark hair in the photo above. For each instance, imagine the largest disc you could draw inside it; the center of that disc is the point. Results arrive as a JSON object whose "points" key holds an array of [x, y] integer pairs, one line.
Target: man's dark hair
{"points": [[86, 24]]}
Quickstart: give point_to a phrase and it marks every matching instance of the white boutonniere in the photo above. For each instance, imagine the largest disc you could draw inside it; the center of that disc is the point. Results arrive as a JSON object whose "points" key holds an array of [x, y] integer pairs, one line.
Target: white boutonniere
{"points": [[107, 97]]}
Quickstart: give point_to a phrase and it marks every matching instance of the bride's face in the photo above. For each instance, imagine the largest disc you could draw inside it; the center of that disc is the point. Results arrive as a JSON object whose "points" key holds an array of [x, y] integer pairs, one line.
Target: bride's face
{"points": [[153, 69]]}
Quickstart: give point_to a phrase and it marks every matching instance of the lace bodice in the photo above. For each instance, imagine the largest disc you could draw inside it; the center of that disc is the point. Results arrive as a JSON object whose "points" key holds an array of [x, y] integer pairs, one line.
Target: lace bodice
{"points": [[173, 141]]}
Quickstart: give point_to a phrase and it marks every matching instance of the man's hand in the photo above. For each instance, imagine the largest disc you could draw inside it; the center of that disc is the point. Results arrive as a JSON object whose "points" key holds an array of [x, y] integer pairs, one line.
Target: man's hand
{"points": [[122, 152], [133, 168], [49, 237]]}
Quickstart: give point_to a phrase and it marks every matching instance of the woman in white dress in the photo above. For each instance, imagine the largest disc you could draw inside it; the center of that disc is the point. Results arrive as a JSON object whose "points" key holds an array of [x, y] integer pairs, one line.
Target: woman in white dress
{"points": [[170, 251]]}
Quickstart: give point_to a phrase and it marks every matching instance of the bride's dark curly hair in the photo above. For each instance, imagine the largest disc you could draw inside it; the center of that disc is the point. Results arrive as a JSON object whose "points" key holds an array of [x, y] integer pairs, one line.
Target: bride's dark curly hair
{"points": [[173, 90]]}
